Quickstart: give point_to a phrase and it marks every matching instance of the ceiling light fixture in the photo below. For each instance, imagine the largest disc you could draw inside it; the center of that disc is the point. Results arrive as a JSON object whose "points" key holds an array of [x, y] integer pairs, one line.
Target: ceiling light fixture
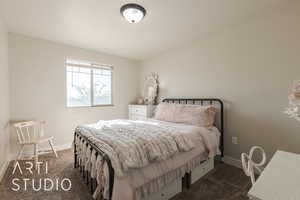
{"points": [[132, 12]]}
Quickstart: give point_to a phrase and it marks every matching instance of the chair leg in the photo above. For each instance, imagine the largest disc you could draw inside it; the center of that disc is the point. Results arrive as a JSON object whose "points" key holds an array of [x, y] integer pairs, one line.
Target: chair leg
{"points": [[52, 147], [36, 154], [20, 153]]}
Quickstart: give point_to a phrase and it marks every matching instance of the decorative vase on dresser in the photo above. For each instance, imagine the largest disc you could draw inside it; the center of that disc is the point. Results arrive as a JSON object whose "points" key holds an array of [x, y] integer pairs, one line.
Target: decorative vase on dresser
{"points": [[140, 112]]}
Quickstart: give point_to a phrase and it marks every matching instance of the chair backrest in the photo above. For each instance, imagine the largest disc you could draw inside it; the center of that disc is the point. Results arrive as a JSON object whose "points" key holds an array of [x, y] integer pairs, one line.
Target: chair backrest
{"points": [[29, 130], [249, 165]]}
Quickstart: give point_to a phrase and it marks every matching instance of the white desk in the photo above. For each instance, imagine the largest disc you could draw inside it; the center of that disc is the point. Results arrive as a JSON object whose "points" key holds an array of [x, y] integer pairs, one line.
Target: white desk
{"points": [[280, 180]]}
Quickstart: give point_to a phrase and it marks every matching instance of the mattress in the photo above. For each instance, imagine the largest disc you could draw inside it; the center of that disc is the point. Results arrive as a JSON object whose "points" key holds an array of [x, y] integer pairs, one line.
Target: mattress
{"points": [[142, 182]]}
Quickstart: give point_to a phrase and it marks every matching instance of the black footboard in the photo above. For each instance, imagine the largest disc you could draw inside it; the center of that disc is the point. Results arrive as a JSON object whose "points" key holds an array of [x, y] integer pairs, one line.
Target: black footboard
{"points": [[92, 182]]}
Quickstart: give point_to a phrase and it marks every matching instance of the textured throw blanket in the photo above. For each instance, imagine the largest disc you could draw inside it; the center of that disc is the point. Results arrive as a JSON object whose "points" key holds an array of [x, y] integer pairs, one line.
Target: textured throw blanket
{"points": [[135, 144]]}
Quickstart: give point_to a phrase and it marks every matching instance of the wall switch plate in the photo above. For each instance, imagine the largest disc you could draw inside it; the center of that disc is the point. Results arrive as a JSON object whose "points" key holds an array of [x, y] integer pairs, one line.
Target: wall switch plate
{"points": [[234, 140]]}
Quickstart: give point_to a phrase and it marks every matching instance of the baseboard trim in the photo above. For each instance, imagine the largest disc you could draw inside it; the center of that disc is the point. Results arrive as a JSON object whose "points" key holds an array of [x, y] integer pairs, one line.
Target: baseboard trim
{"points": [[232, 161], [3, 169], [237, 163]]}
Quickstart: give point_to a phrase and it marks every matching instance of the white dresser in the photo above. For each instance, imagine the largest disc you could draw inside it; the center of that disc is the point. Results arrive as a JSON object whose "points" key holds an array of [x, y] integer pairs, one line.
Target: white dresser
{"points": [[140, 112]]}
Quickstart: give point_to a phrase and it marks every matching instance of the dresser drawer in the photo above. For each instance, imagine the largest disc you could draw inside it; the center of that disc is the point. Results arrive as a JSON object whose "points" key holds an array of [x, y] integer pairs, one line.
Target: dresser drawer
{"points": [[138, 110], [137, 117]]}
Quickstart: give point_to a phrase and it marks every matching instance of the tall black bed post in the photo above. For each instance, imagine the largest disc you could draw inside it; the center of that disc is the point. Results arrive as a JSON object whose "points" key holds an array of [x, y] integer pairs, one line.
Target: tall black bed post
{"points": [[222, 130], [75, 153]]}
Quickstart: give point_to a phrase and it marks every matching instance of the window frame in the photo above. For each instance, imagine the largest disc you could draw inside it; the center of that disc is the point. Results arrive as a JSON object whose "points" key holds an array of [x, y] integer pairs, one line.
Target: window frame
{"points": [[92, 65]]}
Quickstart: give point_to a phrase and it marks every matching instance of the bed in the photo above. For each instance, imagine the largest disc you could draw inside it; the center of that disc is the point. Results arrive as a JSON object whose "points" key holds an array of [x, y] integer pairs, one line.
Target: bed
{"points": [[146, 180]]}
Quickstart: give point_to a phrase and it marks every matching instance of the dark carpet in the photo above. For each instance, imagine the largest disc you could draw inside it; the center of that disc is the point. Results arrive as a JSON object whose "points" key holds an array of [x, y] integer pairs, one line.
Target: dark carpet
{"points": [[223, 183]]}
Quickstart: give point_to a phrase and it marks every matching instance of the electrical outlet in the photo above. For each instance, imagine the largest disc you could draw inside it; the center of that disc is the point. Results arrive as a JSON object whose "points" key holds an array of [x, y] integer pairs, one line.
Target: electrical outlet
{"points": [[234, 140]]}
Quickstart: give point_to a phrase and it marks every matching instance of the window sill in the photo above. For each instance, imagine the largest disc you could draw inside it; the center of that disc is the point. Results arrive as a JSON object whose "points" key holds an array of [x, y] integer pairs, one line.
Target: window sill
{"points": [[104, 105]]}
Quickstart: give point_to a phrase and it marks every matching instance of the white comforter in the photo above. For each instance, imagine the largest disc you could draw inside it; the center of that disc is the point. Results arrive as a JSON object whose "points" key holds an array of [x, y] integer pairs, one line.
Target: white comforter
{"points": [[135, 144]]}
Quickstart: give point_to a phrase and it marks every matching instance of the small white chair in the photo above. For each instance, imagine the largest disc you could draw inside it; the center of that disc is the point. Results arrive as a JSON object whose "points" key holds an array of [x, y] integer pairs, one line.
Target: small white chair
{"points": [[249, 165], [32, 133]]}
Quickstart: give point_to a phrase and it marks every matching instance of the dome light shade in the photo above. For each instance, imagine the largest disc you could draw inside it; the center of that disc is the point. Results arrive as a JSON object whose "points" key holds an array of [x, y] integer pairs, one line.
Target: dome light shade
{"points": [[133, 13]]}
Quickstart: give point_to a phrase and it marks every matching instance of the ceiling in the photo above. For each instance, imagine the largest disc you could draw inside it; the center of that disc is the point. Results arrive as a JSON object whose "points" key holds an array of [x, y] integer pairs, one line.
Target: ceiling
{"points": [[98, 25]]}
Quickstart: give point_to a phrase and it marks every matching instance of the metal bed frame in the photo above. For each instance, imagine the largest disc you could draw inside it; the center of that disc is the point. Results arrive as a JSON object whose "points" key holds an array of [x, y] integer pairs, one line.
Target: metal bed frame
{"points": [[186, 179]]}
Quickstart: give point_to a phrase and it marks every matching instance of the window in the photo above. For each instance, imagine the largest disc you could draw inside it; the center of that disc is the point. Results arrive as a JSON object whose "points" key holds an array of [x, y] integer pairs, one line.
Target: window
{"points": [[88, 84]]}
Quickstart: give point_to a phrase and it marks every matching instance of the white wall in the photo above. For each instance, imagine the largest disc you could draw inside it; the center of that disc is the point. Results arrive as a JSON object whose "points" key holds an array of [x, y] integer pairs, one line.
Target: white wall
{"points": [[251, 67], [4, 98], [38, 85]]}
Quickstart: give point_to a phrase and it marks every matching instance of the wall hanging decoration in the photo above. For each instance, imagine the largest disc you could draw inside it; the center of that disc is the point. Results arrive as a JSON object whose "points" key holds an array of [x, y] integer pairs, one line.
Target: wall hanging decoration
{"points": [[293, 110], [151, 89]]}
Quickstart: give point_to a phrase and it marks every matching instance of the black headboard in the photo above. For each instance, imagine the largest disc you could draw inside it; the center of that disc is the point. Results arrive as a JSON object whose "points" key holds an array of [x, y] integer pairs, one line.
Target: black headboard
{"points": [[206, 101]]}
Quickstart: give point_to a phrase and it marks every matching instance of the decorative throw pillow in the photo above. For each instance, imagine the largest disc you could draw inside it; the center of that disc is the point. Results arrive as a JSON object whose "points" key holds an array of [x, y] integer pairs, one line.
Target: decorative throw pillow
{"points": [[196, 115], [165, 112]]}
